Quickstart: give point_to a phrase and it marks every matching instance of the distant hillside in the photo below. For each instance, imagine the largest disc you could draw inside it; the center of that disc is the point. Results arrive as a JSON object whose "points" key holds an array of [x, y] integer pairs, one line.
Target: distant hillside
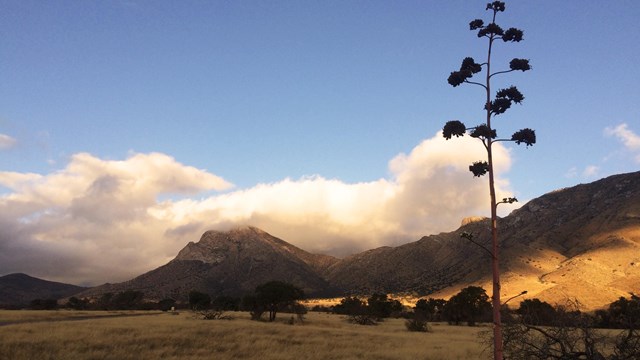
{"points": [[21, 289], [578, 243]]}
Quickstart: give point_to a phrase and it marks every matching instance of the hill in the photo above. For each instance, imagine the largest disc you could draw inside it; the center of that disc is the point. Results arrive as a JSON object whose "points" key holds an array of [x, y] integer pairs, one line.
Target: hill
{"points": [[21, 289]]}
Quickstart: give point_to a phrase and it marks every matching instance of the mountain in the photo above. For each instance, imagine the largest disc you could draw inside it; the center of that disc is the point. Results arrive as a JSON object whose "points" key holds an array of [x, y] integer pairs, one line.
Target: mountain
{"points": [[230, 263], [21, 289], [580, 243]]}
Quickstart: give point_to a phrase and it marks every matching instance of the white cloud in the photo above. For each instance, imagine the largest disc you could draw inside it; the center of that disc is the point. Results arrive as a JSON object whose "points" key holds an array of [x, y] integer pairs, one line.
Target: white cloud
{"points": [[571, 173], [591, 171], [629, 139], [101, 220], [7, 141]]}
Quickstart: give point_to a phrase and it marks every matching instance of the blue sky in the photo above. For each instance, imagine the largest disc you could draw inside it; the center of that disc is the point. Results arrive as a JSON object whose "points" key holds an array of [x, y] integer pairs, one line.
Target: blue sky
{"points": [[254, 95]]}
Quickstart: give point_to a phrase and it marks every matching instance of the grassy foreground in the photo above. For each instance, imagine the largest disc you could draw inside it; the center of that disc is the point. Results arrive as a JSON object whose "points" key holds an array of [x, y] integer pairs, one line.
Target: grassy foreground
{"points": [[166, 336]]}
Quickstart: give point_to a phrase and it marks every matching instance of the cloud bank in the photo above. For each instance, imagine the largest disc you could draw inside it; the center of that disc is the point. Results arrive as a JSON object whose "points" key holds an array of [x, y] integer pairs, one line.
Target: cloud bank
{"points": [[100, 220]]}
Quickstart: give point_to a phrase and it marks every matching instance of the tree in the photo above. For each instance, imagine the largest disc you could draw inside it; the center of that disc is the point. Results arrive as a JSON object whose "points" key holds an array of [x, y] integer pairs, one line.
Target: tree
{"points": [[536, 312], [380, 306], [350, 305], [625, 313], [469, 305], [430, 308], [486, 133], [356, 309], [44, 304], [78, 304], [199, 300], [276, 294], [127, 300]]}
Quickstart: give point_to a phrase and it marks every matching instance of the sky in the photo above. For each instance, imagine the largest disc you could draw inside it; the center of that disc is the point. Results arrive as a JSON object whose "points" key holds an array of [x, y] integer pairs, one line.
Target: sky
{"points": [[128, 128]]}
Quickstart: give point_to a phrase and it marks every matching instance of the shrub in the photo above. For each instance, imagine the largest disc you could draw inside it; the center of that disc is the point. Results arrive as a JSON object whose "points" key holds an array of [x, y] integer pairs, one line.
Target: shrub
{"points": [[417, 323]]}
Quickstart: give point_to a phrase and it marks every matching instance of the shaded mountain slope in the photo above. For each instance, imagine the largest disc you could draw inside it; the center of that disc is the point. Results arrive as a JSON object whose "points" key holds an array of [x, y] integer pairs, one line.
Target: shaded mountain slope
{"points": [[21, 289]]}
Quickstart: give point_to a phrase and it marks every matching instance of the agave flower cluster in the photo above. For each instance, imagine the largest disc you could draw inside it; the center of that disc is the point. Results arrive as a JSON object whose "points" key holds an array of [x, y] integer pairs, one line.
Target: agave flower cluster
{"points": [[503, 98]]}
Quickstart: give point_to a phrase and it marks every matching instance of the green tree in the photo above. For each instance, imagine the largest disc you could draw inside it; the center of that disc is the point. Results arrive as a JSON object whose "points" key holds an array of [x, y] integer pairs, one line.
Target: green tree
{"points": [[277, 294], [469, 305], [486, 133]]}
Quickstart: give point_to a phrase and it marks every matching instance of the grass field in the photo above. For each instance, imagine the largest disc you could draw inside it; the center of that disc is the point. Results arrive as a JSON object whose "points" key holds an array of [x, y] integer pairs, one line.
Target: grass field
{"points": [[108, 335]]}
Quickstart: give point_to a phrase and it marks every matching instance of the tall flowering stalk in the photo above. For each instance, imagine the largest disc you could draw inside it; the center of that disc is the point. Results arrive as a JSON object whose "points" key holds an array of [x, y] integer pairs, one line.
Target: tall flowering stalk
{"points": [[486, 133]]}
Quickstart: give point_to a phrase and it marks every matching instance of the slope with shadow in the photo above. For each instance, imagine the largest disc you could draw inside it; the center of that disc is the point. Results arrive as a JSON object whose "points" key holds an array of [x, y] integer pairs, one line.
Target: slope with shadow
{"points": [[21, 289], [230, 263], [580, 243], [420, 268]]}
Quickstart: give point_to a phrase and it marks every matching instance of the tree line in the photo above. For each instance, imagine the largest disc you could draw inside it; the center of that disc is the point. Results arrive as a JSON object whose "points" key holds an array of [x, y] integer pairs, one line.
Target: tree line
{"points": [[470, 306]]}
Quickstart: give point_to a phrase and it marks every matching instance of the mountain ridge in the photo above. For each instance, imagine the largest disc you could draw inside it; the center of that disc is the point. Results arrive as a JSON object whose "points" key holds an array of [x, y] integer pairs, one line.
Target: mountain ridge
{"points": [[580, 243]]}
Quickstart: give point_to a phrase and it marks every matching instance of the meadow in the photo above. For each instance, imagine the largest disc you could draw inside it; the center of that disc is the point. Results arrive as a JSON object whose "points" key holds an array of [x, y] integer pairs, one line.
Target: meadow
{"points": [[65, 334]]}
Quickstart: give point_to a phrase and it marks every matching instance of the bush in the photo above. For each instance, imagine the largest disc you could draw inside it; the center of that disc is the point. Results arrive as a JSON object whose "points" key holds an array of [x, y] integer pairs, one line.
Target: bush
{"points": [[166, 304], [211, 315], [363, 319], [417, 323]]}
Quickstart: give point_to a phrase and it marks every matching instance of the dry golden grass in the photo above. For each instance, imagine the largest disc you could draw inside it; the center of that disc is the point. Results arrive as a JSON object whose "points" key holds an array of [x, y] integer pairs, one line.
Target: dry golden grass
{"points": [[8, 317], [165, 336]]}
